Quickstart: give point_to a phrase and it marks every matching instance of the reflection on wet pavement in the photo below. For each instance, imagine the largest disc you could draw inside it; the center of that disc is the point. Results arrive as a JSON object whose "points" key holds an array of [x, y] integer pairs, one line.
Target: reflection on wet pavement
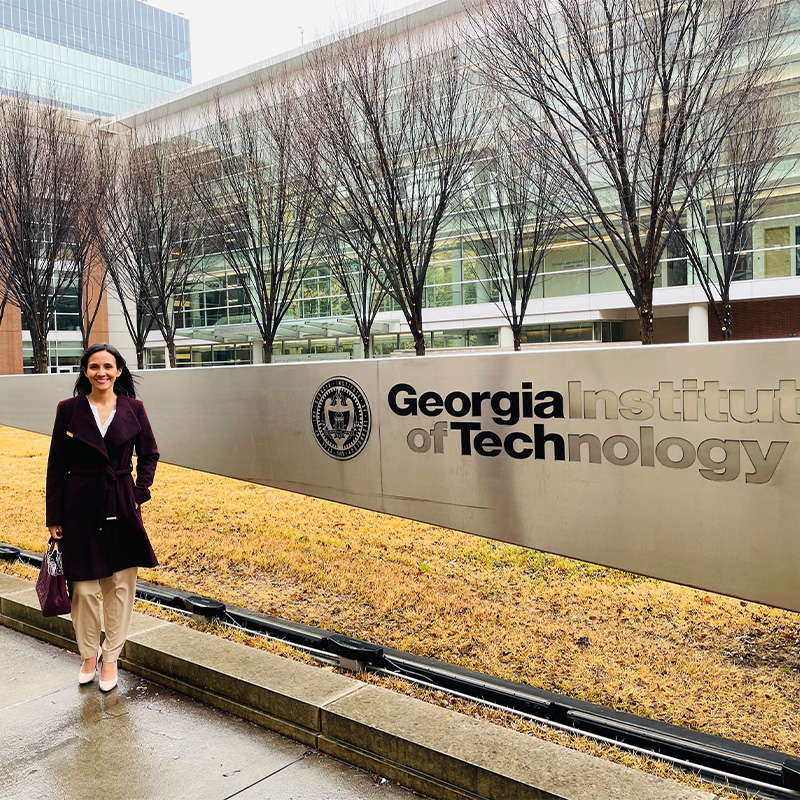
{"points": [[144, 742]]}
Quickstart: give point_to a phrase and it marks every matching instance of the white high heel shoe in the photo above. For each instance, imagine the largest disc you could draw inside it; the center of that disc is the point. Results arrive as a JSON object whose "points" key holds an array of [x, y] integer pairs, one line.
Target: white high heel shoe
{"points": [[107, 686], [88, 677]]}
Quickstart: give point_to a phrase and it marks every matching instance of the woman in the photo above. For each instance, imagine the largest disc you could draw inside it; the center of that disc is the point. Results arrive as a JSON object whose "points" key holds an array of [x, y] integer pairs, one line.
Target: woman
{"points": [[93, 504]]}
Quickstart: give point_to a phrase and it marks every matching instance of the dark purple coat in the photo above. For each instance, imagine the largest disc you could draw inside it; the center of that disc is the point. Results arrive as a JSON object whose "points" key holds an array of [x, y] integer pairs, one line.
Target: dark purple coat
{"points": [[90, 489]]}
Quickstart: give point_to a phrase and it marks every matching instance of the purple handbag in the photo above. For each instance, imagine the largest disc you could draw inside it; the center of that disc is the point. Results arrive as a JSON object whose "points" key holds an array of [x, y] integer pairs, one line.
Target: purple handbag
{"points": [[51, 585]]}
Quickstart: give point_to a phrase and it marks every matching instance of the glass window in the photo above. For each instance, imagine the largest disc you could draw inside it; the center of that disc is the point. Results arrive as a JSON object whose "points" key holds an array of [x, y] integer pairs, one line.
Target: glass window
{"points": [[322, 346], [224, 354], [535, 334], [560, 284], [572, 332], [65, 356], [88, 29], [484, 337], [450, 338], [156, 357], [384, 344], [27, 358], [293, 348], [244, 353], [67, 322], [776, 252], [675, 266], [604, 279], [405, 341], [347, 344], [609, 331], [183, 356], [68, 304], [796, 250], [567, 257], [201, 355]]}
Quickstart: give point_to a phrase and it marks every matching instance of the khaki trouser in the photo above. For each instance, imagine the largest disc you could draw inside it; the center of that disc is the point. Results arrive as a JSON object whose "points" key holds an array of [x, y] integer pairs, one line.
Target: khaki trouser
{"points": [[119, 592]]}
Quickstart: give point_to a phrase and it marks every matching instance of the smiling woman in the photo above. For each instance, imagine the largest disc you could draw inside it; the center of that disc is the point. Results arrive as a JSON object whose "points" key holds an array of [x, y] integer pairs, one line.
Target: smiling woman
{"points": [[93, 505]]}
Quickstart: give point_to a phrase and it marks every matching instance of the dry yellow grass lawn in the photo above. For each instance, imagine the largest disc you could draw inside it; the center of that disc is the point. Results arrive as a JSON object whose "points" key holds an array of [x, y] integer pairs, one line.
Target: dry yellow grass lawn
{"points": [[652, 648]]}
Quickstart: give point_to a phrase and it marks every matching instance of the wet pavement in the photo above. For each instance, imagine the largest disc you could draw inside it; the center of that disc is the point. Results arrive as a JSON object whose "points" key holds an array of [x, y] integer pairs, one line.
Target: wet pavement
{"points": [[144, 742]]}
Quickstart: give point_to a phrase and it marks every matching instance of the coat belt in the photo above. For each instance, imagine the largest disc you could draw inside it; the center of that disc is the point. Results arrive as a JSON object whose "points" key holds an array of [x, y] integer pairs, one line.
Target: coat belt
{"points": [[108, 486]]}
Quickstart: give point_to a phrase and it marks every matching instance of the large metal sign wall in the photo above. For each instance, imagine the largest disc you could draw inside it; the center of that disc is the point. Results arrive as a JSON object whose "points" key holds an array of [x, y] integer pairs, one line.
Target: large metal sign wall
{"points": [[680, 461]]}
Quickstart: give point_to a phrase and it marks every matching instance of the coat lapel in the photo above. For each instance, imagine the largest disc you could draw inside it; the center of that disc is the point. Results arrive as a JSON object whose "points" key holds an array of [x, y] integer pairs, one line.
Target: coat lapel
{"points": [[82, 426], [125, 425]]}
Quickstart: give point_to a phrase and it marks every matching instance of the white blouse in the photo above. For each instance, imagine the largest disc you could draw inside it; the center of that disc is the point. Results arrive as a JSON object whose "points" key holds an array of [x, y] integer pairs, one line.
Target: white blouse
{"points": [[102, 428]]}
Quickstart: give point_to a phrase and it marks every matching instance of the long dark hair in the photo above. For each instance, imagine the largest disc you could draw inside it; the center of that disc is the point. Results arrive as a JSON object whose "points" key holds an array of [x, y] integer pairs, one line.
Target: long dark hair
{"points": [[124, 384]]}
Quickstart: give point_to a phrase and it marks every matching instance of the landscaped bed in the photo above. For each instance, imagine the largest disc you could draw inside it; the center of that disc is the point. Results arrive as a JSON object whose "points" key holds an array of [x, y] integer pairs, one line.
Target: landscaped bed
{"points": [[652, 648]]}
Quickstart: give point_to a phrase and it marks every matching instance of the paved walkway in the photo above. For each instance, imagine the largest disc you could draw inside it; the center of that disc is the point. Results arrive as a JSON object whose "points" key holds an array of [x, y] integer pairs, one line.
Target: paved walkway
{"points": [[144, 742]]}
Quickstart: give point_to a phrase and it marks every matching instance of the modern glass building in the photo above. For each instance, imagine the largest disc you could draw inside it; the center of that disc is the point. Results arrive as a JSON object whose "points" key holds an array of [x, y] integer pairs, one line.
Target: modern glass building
{"points": [[578, 296], [100, 57], [97, 56]]}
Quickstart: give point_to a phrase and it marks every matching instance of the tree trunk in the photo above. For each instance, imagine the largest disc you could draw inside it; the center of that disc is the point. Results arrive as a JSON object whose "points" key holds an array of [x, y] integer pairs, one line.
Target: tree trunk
{"points": [[727, 321], [646, 328], [41, 363], [171, 352], [269, 341], [367, 351], [517, 338], [413, 317], [645, 309], [140, 358]]}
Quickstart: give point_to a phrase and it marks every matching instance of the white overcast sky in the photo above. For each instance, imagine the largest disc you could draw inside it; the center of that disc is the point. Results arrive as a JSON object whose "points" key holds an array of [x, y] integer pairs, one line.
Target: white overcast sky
{"points": [[229, 34]]}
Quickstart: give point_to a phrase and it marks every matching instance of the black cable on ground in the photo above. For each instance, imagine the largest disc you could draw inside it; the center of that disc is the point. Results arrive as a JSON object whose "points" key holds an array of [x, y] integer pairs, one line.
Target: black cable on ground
{"points": [[741, 766]]}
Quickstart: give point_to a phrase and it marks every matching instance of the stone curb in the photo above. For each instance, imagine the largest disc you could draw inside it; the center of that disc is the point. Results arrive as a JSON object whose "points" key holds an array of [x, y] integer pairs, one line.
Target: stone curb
{"points": [[430, 749]]}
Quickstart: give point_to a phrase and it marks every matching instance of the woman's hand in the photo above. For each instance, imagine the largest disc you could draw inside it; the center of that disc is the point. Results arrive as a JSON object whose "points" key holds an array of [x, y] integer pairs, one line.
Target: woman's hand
{"points": [[55, 531]]}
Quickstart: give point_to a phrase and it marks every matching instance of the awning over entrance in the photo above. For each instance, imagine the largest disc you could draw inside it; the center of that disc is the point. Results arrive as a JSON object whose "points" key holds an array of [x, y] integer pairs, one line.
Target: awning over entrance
{"points": [[324, 328]]}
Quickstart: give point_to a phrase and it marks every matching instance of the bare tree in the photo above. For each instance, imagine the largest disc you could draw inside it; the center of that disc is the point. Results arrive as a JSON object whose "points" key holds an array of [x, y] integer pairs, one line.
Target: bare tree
{"points": [[151, 238], [130, 288], [126, 275], [42, 167], [630, 91], [351, 256], [260, 201], [735, 183], [88, 265], [515, 213], [398, 121]]}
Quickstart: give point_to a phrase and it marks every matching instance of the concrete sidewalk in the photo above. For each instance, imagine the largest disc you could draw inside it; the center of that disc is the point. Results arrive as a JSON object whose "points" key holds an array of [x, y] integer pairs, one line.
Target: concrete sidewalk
{"points": [[432, 750], [144, 742]]}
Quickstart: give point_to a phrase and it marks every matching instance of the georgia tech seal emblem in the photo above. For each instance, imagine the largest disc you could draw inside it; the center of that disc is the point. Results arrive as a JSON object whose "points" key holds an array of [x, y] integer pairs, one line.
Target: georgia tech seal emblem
{"points": [[340, 418]]}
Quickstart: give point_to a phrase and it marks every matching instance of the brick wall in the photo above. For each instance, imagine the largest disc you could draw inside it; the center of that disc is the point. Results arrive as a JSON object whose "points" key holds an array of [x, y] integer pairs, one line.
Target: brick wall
{"points": [[92, 290], [760, 319], [11, 328], [11, 342]]}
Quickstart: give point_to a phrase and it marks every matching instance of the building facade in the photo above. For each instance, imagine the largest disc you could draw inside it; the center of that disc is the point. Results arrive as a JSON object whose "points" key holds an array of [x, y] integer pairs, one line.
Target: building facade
{"points": [[97, 56], [578, 296]]}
